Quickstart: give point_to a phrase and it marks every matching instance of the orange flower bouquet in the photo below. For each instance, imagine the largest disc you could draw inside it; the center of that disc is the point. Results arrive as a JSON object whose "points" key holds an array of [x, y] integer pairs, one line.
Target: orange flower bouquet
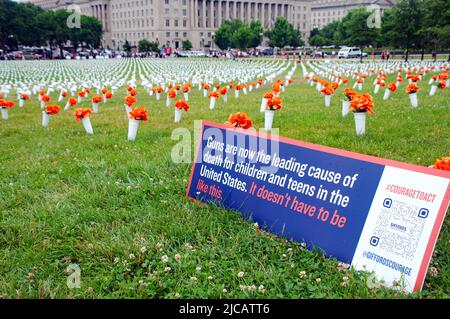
{"points": [[360, 106], [136, 115], [172, 94], [130, 101], [158, 92], [267, 96], [186, 90], [237, 88], [327, 91], [213, 96], [440, 85], [224, 93], [259, 83], [44, 99], [412, 91], [4, 107], [23, 97], [240, 120], [180, 106], [276, 89], [62, 95], [49, 110], [81, 95], [392, 87], [274, 104], [442, 163], [206, 88], [83, 116], [71, 102], [95, 100], [349, 94], [108, 95], [251, 86], [359, 82]]}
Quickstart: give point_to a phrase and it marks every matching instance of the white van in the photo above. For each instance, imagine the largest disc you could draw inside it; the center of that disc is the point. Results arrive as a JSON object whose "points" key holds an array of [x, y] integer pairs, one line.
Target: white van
{"points": [[349, 52]]}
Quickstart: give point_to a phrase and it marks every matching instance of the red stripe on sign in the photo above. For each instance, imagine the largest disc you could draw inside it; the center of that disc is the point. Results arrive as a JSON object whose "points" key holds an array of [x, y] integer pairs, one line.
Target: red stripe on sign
{"points": [[432, 241]]}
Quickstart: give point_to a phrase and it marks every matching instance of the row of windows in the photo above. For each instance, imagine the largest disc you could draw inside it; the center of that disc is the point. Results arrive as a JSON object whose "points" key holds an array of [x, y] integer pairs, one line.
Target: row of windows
{"points": [[141, 35], [328, 13]]}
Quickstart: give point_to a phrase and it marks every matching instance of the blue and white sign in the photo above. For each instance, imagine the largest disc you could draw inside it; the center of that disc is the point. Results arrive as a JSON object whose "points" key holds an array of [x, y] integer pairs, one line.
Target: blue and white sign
{"points": [[378, 215]]}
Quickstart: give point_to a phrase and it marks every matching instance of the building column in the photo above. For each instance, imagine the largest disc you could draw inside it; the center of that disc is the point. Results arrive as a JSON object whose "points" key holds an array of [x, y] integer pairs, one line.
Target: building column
{"points": [[191, 13], [227, 10], [211, 13], [249, 8], [203, 13], [269, 15], [219, 9], [234, 10]]}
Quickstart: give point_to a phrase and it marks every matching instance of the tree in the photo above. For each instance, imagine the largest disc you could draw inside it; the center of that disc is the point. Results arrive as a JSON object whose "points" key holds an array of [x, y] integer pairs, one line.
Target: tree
{"points": [[318, 41], [435, 23], [257, 33], [357, 30], [283, 34], [223, 35], [127, 46], [144, 45], [187, 45], [242, 37], [403, 28]]}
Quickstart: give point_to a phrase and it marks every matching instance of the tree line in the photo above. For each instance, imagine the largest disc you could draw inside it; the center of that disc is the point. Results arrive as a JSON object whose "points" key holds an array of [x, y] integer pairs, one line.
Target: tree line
{"points": [[236, 34], [30, 25], [409, 25]]}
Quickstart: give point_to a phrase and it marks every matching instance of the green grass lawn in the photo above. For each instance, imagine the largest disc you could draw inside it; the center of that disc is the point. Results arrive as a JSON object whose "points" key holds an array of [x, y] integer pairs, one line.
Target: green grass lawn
{"points": [[117, 208]]}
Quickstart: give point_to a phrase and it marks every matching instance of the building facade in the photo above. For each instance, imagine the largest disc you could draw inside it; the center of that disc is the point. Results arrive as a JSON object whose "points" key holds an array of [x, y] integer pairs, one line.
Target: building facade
{"points": [[325, 11], [170, 22]]}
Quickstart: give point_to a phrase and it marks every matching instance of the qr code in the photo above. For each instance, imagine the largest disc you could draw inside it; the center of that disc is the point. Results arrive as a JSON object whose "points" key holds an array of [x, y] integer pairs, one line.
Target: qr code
{"points": [[399, 228]]}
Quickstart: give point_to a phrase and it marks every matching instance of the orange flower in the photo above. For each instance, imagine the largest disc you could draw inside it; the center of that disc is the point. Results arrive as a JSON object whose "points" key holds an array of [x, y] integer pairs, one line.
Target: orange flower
{"points": [[108, 95], [380, 82], [87, 91], [213, 95], [276, 88], [41, 93], [344, 80], [442, 163], [24, 96], [238, 87], [334, 85], [130, 100], [206, 86], [268, 95], [442, 84], [104, 91], [239, 119], [260, 81], [81, 94], [72, 101], [64, 94], [158, 89], [139, 113], [177, 87], [6, 104], [350, 94], [224, 91], [360, 80], [97, 99], [45, 98], [231, 83], [290, 81], [217, 86], [129, 89], [172, 94], [412, 88], [82, 113], [186, 88], [362, 103], [1, 95], [182, 105], [327, 90], [392, 87], [274, 104], [52, 109], [414, 78], [443, 76], [133, 92]]}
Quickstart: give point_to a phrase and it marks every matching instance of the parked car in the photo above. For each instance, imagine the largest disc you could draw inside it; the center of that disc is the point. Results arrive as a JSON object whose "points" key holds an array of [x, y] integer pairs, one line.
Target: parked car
{"points": [[319, 54], [350, 52]]}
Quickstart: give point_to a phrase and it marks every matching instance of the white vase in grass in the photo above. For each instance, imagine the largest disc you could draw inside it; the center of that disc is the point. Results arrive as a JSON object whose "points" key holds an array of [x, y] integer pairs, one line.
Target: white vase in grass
{"points": [[205, 93], [431, 81], [268, 119], [212, 103], [168, 101], [186, 96], [377, 89], [360, 86], [433, 90], [4, 113], [87, 125], [158, 96], [42, 105], [263, 104], [360, 122], [225, 97], [45, 119], [345, 107], [413, 99], [178, 114], [21, 102], [327, 100], [104, 98], [236, 93], [133, 126], [244, 90], [95, 107]]}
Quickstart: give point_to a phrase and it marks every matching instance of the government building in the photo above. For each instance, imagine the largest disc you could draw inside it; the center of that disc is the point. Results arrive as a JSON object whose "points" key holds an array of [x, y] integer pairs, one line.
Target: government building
{"points": [[172, 21]]}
